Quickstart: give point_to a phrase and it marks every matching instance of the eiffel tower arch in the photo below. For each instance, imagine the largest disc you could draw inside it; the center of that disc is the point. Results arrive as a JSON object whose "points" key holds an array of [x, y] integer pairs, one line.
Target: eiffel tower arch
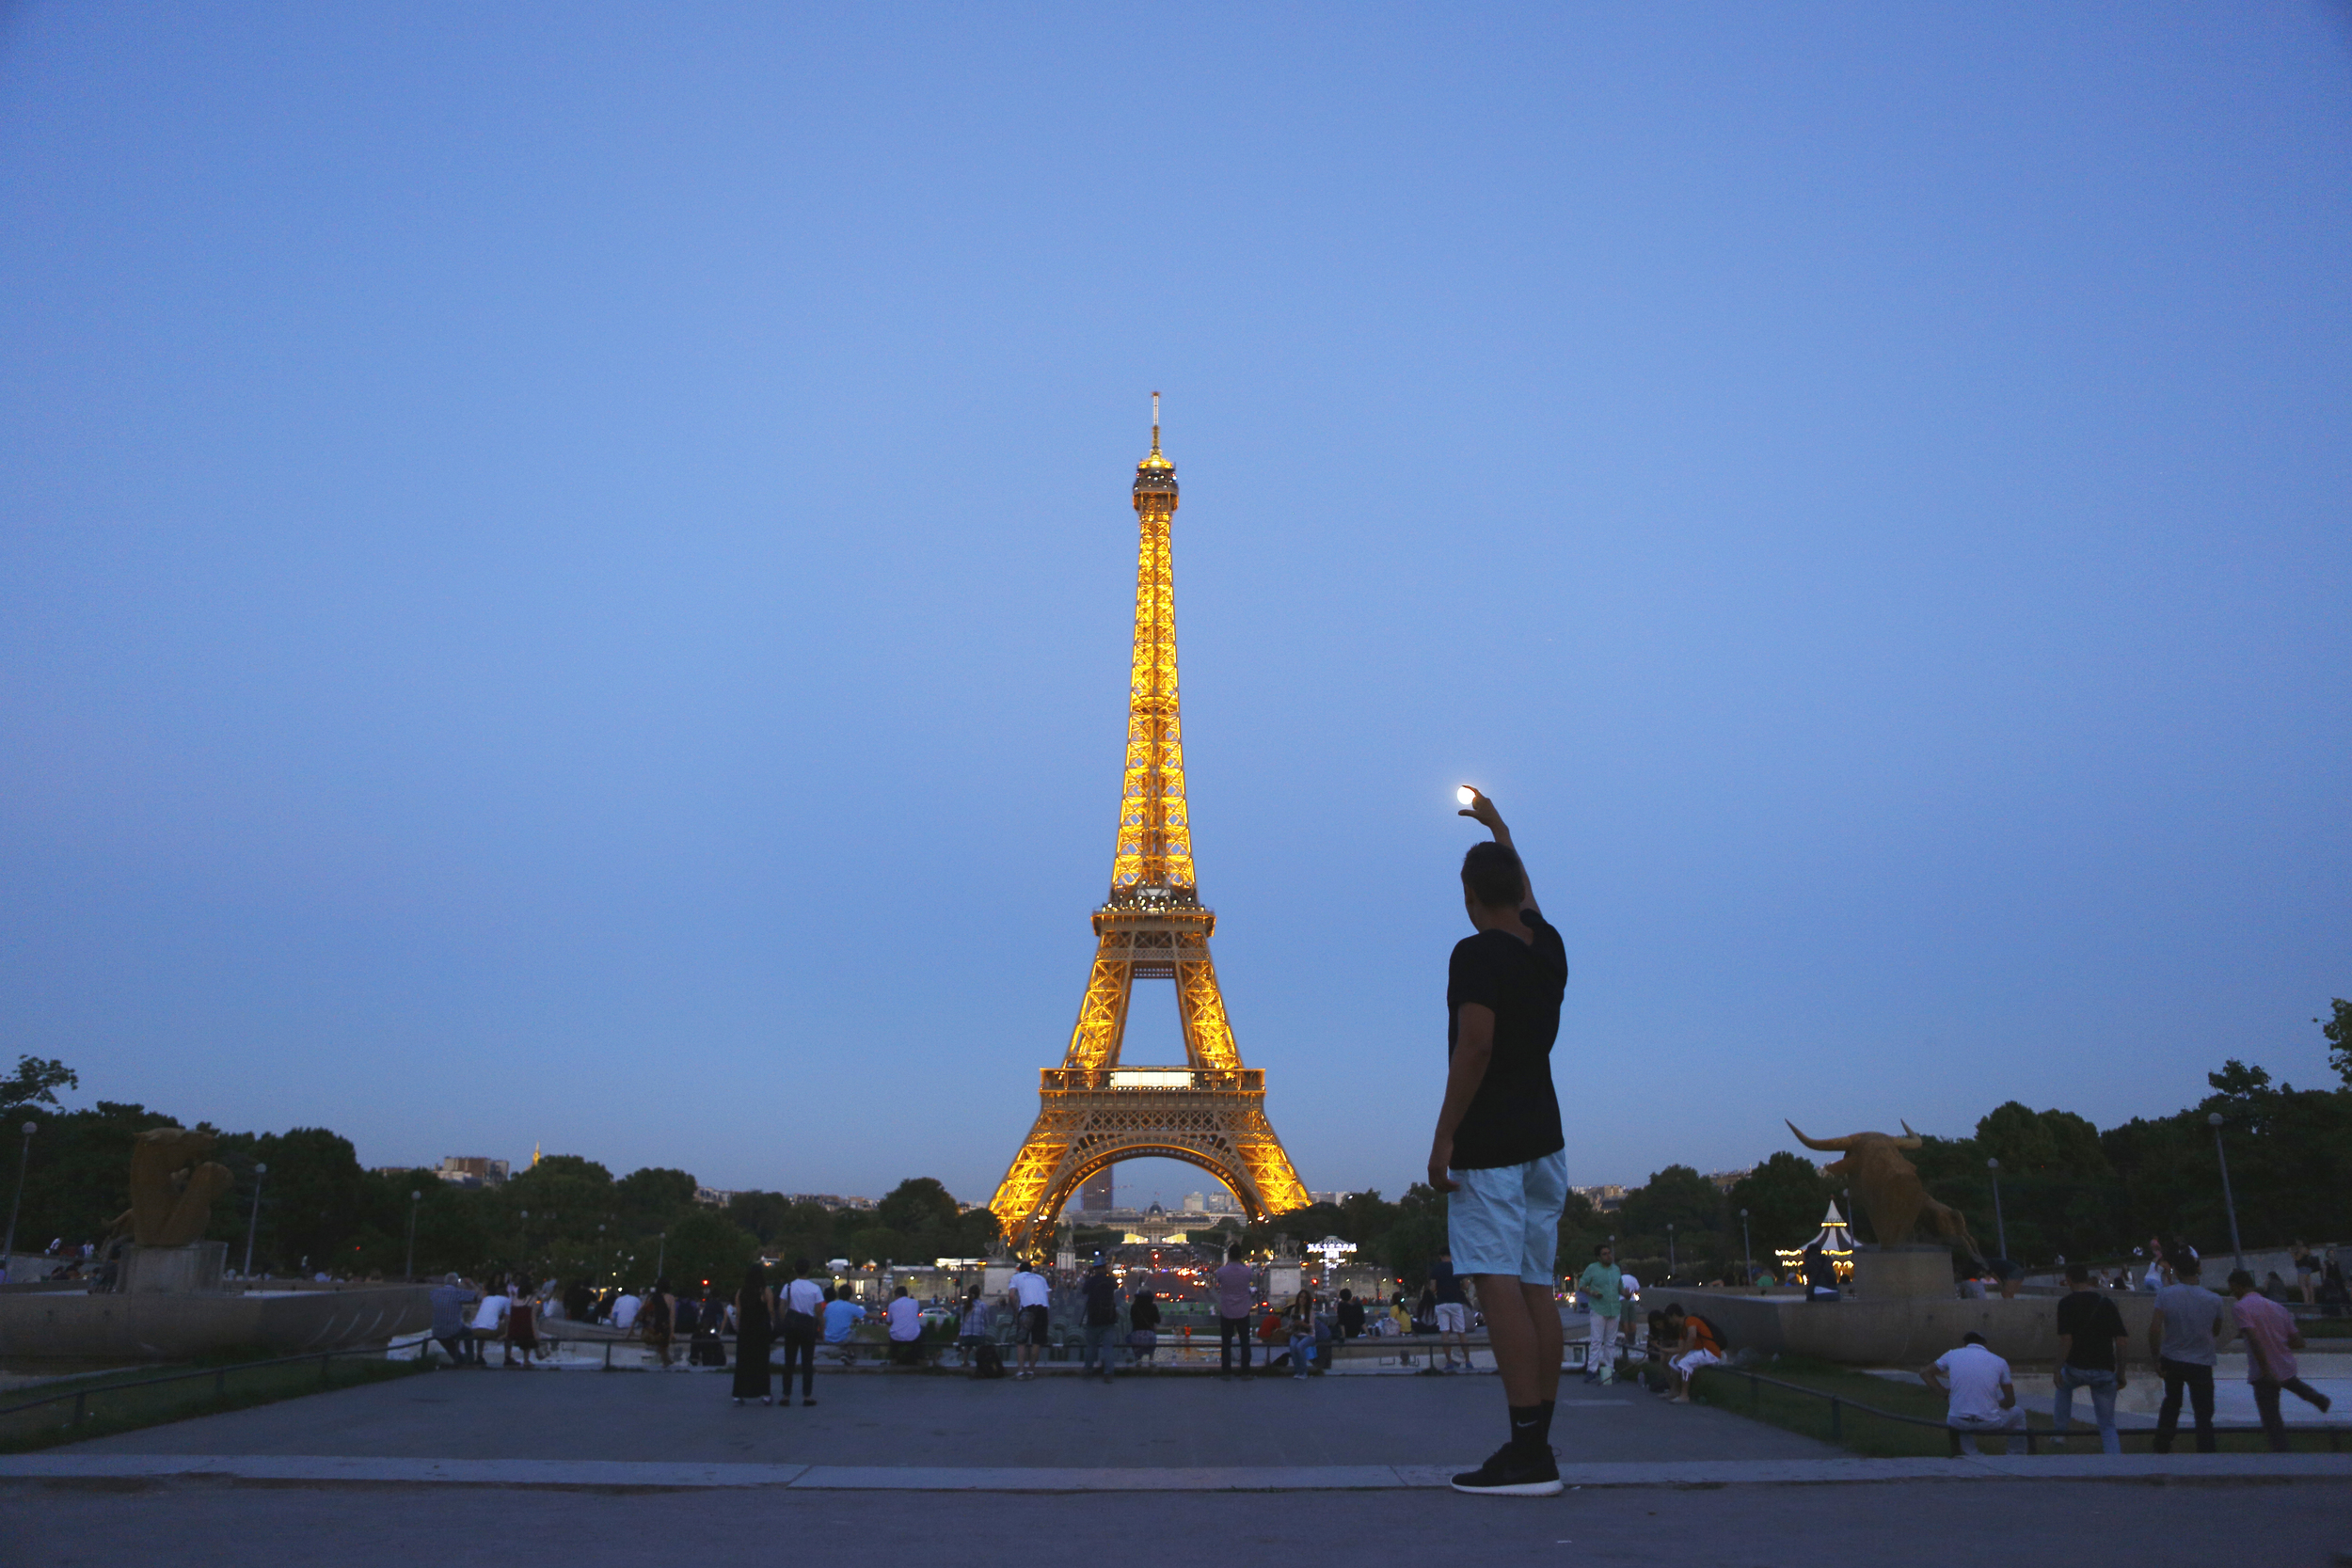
{"points": [[1094, 1110]]}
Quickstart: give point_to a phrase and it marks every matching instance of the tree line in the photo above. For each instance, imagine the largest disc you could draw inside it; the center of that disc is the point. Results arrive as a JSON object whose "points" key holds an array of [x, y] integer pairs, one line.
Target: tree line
{"points": [[2066, 1189]]}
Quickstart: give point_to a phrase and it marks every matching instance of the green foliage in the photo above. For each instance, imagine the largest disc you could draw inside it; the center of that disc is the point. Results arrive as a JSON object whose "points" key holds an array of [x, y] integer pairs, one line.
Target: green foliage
{"points": [[2041, 1143], [2236, 1079], [1784, 1198], [2337, 1028], [34, 1084], [917, 1205], [707, 1250]]}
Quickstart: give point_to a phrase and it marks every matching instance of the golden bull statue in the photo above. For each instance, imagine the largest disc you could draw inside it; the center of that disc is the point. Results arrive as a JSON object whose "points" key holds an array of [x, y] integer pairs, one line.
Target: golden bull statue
{"points": [[1887, 1188]]}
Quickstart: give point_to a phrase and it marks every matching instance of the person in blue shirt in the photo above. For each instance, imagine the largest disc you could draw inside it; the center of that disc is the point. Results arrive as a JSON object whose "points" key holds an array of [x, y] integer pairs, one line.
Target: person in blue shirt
{"points": [[841, 1315]]}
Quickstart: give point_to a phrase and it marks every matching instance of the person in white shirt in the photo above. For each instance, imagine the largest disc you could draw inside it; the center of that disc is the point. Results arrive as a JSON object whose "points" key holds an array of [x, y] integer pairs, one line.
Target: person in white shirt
{"points": [[626, 1309], [1028, 1292], [798, 1306], [905, 1315], [1981, 1398], [489, 1319]]}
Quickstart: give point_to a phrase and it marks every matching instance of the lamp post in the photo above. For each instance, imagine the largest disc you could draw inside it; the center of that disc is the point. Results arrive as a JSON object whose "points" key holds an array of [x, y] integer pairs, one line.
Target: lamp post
{"points": [[2000, 1225], [1747, 1248], [409, 1269], [254, 1221], [662, 1255], [1670, 1252], [2228, 1202], [24, 1153]]}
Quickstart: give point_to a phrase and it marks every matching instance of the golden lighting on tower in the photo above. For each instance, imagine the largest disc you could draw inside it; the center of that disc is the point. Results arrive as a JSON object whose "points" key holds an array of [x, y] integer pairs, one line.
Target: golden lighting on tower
{"points": [[1211, 1112]]}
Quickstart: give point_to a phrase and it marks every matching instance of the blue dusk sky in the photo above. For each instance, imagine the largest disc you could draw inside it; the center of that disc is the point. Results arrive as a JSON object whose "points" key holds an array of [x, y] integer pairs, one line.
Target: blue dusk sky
{"points": [[567, 571]]}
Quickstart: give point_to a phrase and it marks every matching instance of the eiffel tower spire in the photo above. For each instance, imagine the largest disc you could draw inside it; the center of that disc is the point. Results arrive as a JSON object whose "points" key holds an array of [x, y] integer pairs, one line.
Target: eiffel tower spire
{"points": [[1211, 1111]]}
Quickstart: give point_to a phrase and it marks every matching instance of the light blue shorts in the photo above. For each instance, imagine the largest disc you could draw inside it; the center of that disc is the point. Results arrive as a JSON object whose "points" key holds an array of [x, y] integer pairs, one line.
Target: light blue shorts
{"points": [[1506, 1220]]}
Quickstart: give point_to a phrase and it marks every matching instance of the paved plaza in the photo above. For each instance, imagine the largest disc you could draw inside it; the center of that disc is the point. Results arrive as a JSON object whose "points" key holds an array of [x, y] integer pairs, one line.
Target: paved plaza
{"points": [[474, 1466]]}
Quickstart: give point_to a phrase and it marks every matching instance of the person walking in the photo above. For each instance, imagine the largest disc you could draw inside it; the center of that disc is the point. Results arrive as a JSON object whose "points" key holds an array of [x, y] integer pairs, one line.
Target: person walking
{"points": [[798, 1306], [1979, 1394], [1100, 1292], [2092, 1337], [2272, 1342], [1599, 1284], [1497, 1147], [656, 1318], [2185, 1337], [755, 1331], [1236, 1296], [1453, 1308], [1029, 1293]]}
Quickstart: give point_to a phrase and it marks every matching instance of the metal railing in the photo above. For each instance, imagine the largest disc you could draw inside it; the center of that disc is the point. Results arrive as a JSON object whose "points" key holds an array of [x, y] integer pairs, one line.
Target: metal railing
{"points": [[80, 1399], [1839, 1404]]}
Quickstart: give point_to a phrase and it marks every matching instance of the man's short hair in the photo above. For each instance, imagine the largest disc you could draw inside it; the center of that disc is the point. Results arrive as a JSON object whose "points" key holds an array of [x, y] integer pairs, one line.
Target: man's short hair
{"points": [[2189, 1268], [1493, 875], [1232, 1254], [1972, 1337], [2078, 1273], [449, 1279], [2241, 1280], [1599, 1248]]}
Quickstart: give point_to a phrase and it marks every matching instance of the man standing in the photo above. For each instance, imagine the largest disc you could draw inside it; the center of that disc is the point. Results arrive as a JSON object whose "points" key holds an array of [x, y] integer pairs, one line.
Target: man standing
{"points": [[2272, 1342], [2183, 1336], [1499, 1133], [2092, 1337], [1453, 1311], [1029, 1293], [1236, 1293], [1599, 1284], [1979, 1394], [1101, 1293]]}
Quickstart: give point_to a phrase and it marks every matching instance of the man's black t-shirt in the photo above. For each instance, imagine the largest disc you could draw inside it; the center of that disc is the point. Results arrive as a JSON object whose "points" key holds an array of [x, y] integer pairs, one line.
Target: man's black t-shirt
{"points": [[1515, 1117], [2095, 1324], [1102, 1298], [1446, 1283]]}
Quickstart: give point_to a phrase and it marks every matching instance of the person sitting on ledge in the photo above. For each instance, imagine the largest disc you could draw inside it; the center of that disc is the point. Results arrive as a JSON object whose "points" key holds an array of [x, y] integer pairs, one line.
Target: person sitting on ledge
{"points": [[1701, 1346], [1979, 1394]]}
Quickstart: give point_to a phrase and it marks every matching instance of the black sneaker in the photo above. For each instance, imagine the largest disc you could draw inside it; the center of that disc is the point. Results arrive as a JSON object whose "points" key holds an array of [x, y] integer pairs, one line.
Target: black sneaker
{"points": [[1509, 1472]]}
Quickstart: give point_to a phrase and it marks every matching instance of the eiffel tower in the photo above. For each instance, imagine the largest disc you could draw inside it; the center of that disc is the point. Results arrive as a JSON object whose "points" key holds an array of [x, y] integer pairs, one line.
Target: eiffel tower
{"points": [[1096, 1111]]}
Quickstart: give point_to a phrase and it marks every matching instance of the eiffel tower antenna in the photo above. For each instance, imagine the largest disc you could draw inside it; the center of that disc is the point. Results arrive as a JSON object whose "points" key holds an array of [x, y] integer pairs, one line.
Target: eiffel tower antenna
{"points": [[1210, 1111]]}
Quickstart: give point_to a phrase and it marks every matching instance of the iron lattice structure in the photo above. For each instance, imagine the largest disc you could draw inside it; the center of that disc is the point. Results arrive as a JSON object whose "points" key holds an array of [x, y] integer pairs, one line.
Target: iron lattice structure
{"points": [[1095, 1112]]}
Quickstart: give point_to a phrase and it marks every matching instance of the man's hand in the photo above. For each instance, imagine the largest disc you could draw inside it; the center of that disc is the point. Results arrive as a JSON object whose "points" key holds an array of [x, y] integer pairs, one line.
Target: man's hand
{"points": [[1440, 1158], [1482, 811]]}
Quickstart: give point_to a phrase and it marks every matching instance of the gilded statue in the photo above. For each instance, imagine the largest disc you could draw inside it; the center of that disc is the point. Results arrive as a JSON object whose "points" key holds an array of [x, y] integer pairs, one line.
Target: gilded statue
{"points": [[173, 1187], [1887, 1188]]}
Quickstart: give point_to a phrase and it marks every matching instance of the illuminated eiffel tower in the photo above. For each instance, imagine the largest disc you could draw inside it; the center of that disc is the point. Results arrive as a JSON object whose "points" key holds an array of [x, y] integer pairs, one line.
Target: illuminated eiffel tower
{"points": [[1096, 1112]]}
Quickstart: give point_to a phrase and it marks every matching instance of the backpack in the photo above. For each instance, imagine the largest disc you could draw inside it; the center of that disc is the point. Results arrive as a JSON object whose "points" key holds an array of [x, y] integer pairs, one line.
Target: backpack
{"points": [[987, 1360]]}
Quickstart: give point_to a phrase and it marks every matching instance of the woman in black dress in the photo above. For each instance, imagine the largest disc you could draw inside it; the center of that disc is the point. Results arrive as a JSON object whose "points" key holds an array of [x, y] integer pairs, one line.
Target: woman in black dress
{"points": [[755, 1330]]}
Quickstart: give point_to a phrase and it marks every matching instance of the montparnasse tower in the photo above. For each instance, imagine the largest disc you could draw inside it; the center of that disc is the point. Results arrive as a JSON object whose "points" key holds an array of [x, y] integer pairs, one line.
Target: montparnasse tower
{"points": [[1096, 1111]]}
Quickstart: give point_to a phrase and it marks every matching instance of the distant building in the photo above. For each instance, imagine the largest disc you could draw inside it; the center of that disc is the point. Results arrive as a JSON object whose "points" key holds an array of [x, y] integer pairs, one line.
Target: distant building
{"points": [[471, 1170], [1608, 1197], [829, 1200], [1335, 1200], [1726, 1180], [1216, 1202], [1094, 1193], [717, 1197]]}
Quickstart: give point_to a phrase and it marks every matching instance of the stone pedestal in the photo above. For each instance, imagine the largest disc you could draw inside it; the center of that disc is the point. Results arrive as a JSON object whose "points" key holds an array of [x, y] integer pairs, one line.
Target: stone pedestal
{"points": [[176, 1270], [1886, 1273]]}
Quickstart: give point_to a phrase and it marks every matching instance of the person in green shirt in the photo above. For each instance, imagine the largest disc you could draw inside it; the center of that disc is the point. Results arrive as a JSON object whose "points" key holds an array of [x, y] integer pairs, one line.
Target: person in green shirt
{"points": [[1599, 1283]]}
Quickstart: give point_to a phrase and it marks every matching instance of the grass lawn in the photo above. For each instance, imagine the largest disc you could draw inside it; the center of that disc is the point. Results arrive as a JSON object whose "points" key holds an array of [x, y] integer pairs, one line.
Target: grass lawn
{"points": [[1860, 1430], [127, 1398]]}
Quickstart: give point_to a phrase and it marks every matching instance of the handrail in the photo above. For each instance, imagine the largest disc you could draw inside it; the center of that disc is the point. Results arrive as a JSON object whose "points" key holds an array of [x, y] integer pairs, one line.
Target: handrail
{"points": [[1839, 1403], [218, 1374]]}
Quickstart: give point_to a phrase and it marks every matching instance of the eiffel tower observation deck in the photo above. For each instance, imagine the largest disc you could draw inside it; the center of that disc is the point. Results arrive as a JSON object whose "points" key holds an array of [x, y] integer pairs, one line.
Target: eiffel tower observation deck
{"points": [[1095, 1110]]}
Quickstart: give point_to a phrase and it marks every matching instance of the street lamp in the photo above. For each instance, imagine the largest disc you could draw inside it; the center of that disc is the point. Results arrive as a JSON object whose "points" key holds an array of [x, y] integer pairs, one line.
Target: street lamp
{"points": [[2000, 1225], [24, 1153], [1670, 1252], [662, 1256], [409, 1268], [253, 1223], [2228, 1202], [1747, 1247]]}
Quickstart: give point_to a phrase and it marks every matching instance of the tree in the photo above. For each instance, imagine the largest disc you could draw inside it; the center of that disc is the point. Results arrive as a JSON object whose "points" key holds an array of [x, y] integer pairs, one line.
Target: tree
{"points": [[654, 1196], [2237, 1080], [35, 1082], [916, 1205], [1784, 1198], [2338, 1032], [707, 1251]]}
